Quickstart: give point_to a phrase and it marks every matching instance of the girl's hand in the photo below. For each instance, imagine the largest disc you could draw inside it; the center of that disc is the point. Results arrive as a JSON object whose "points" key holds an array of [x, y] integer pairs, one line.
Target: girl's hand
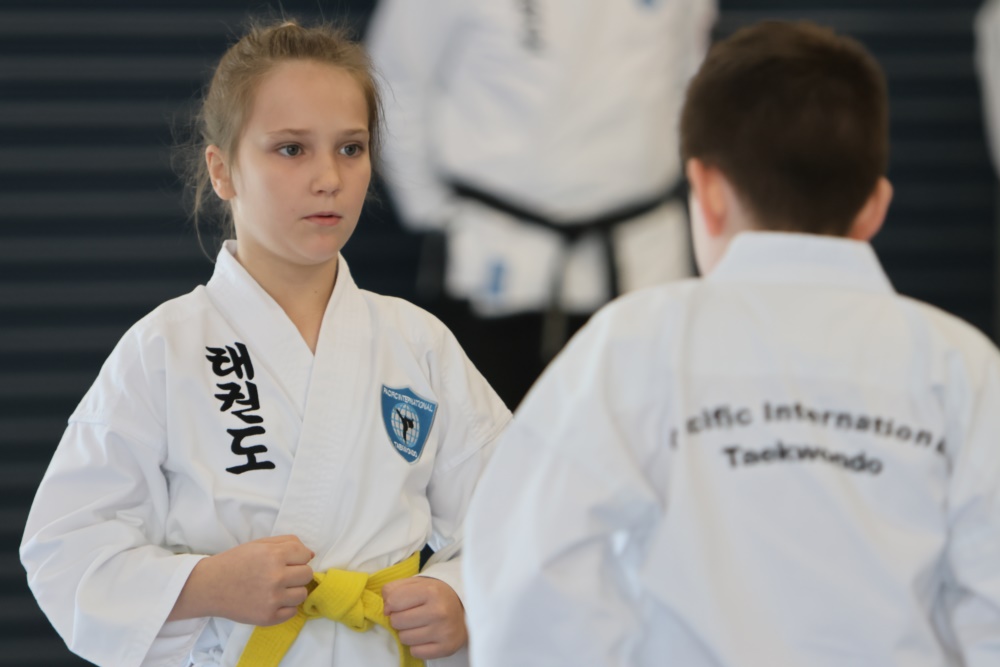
{"points": [[428, 616], [260, 583]]}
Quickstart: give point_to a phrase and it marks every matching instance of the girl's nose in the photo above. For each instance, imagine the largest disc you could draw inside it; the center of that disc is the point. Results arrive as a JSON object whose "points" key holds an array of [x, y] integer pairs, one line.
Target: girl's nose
{"points": [[327, 179]]}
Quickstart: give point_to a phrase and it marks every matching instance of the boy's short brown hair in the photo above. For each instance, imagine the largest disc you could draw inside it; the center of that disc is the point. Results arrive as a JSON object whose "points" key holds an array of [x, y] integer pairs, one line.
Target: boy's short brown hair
{"points": [[796, 117]]}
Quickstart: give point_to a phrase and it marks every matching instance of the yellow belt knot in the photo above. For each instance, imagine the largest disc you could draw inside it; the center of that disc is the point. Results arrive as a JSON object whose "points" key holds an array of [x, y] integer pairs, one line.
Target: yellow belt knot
{"points": [[353, 599], [342, 596]]}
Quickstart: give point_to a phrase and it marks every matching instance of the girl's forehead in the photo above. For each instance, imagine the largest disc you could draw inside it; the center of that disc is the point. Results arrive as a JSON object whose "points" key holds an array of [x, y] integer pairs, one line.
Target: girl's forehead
{"points": [[290, 74], [308, 92]]}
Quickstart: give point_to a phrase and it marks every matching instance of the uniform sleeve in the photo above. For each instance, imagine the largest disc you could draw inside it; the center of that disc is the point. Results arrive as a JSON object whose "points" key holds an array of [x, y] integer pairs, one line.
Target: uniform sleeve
{"points": [[987, 31], [410, 42], [974, 518], [557, 529], [91, 545], [474, 421]]}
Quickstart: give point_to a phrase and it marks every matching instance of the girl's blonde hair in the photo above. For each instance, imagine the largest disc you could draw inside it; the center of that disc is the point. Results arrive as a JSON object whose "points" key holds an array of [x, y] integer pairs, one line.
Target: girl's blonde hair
{"points": [[226, 104]]}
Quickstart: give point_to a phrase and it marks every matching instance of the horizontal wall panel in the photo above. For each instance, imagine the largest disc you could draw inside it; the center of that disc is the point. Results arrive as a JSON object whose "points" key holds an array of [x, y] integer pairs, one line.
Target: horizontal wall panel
{"points": [[88, 158], [18, 432], [84, 114], [86, 69], [965, 110], [19, 479], [89, 249], [35, 206], [51, 340], [96, 24], [44, 385], [93, 294]]}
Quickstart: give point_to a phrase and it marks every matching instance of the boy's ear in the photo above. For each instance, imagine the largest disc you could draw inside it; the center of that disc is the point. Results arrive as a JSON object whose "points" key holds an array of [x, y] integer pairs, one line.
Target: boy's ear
{"points": [[708, 186], [871, 216], [219, 172]]}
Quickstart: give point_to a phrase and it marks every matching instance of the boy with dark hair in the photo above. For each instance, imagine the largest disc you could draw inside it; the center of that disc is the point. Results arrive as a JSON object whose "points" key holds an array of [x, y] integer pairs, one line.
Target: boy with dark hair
{"points": [[784, 463]]}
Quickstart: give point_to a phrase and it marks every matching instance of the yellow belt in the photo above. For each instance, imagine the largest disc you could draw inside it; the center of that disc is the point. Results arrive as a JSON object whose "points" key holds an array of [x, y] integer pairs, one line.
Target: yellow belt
{"points": [[351, 598]]}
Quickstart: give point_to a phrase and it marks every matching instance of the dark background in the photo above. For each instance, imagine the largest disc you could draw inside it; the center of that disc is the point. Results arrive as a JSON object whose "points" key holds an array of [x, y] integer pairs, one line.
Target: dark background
{"points": [[93, 236]]}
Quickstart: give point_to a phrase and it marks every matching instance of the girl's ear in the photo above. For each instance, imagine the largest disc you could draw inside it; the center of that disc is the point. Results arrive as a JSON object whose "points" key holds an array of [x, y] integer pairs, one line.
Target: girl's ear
{"points": [[871, 216], [220, 173]]}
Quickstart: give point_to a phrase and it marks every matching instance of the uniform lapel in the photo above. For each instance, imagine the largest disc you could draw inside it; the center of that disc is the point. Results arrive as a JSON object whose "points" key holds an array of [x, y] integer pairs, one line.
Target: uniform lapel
{"points": [[330, 428], [266, 330]]}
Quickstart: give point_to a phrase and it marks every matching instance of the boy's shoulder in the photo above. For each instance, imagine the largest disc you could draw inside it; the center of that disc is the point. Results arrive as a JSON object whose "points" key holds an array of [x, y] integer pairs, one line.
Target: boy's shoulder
{"points": [[647, 318], [663, 311], [664, 295], [951, 331], [655, 305]]}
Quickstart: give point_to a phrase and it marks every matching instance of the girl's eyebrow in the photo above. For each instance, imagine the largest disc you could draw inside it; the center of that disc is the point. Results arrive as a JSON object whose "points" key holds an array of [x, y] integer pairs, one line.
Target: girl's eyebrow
{"points": [[290, 131], [362, 132]]}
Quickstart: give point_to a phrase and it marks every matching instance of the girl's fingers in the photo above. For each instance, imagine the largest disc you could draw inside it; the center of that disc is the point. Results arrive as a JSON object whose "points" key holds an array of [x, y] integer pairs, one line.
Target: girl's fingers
{"points": [[416, 636], [430, 651], [298, 575]]}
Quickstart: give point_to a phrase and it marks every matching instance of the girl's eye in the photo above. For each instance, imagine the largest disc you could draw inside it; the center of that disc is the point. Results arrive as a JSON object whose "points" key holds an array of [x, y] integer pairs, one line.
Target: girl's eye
{"points": [[291, 150], [352, 150]]}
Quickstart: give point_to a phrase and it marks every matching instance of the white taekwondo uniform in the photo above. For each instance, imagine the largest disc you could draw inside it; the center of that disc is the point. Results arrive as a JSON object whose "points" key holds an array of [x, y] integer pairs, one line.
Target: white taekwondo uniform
{"points": [[784, 464], [564, 108], [213, 424]]}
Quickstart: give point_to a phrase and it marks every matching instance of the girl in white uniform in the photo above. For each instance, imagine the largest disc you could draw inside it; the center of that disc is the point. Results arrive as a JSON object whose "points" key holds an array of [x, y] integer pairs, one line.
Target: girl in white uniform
{"points": [[253, 450], [783, 464]]}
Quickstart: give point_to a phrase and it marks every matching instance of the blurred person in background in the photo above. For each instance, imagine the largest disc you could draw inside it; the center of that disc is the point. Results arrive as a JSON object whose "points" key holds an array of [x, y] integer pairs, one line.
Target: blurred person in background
{"points": [[987, 32], [987, 36], [535, 145]]}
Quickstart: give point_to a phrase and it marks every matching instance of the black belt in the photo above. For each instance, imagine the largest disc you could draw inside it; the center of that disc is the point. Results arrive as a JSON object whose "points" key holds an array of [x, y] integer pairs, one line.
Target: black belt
{"points": [[571, 232]]}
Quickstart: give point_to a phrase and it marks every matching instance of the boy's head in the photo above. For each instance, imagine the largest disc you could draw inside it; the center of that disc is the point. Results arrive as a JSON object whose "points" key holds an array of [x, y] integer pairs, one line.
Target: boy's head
{"points": [[795, 117]]}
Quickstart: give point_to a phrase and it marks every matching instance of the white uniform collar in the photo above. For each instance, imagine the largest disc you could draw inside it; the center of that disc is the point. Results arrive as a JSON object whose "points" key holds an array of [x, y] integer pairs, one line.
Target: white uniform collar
{"points": [[228, 270], [801, 259], [257, 316]]}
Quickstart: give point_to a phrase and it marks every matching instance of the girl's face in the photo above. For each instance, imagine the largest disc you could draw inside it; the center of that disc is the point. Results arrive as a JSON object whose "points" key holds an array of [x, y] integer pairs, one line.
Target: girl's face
{"points": [[302, 169]]}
